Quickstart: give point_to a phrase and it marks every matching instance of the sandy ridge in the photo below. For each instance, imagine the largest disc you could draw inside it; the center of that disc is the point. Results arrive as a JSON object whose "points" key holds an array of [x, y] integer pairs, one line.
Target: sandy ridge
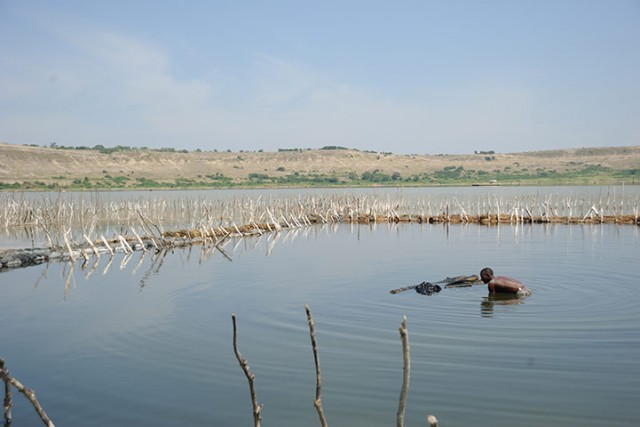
{"points": [[29, 163]]}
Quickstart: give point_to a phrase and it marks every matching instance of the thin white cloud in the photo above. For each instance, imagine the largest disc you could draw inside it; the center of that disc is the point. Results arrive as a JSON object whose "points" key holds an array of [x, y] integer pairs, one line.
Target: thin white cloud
{"points": [[280, 83], [104, 87], [137, 73]]}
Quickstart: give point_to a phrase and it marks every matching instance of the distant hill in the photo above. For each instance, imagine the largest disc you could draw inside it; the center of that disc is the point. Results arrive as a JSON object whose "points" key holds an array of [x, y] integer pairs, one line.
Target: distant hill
{"points": [[32, 167]]}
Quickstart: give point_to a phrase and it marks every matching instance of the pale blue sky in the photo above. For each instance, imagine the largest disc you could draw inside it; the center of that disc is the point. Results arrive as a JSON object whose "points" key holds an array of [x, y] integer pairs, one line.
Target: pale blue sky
{"points": [[422, 77]]}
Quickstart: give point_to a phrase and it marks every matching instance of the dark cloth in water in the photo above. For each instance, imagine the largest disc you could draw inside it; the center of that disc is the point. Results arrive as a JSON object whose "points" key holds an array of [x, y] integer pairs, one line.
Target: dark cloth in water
{"points": [[426, 288]]}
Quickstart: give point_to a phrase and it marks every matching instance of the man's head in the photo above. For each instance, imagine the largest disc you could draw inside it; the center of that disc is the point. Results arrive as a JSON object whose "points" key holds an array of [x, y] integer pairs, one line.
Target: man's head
{"points": [[486, 274]]}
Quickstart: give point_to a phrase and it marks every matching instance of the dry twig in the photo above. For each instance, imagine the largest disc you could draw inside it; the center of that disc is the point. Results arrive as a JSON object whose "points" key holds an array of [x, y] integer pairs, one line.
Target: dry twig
{"points": [[257, 409], [405, 372], [29, 394], [7, 394], [318, 402]]}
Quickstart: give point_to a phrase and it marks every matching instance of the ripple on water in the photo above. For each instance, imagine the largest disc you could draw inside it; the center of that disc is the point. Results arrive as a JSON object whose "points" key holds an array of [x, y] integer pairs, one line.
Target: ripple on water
{"points": [[589, 298], [165, 351]]}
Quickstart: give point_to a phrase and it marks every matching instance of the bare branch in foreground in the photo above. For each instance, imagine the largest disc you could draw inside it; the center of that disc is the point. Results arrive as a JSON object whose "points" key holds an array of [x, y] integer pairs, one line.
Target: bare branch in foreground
{"points": [[29, 394], [318, 402], [257, 409], [405, 372], [7, 395]]}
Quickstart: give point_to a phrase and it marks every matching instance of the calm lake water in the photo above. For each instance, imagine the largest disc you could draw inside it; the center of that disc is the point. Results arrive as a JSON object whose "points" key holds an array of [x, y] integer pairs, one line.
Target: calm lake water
{"points": [[147, 341]]}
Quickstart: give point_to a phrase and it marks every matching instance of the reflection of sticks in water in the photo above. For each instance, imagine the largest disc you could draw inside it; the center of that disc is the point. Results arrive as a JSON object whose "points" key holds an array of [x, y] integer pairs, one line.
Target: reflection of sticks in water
{"points": [[406, 371], [29, 394], [205, 253], [108, 266], [96, 261], [257, 242], [125, 260], [189, 253], [318, 401], [235, 247], [140, 261], [218, 246], [42, 276], [294, 233], [69, 277], [272, 243], [158, 260], [257, 408]]}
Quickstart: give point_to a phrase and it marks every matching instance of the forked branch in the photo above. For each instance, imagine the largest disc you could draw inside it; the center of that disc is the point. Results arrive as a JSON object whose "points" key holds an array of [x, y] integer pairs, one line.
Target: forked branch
{"points": [[29, 394]]}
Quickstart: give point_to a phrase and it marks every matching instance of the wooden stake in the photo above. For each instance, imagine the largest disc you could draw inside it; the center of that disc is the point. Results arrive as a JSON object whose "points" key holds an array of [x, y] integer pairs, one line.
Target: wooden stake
{"points": [[257, 409], [318, 402], [7, 395], [405, 372]]}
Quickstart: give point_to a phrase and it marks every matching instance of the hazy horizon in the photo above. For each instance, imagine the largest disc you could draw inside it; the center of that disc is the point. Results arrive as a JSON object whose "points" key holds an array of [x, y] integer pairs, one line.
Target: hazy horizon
{"points": [[418, 77]]}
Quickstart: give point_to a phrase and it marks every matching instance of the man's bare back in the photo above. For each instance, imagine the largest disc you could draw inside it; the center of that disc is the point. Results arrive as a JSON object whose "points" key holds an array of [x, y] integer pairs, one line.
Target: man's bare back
{"points": [[503, 284]]}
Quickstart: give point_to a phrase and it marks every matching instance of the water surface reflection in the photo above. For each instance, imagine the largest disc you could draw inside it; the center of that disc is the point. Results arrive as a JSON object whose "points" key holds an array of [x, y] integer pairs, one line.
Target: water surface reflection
{"points": [[150, 333], [489, 302]]}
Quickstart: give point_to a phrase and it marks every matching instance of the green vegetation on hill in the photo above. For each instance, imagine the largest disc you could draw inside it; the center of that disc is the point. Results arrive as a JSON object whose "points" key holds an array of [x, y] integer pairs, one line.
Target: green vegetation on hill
{"points": [[329, 166], [450, 175]]}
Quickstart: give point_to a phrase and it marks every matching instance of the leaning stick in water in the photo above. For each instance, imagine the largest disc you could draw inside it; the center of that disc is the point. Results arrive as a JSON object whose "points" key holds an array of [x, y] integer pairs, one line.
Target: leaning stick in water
{"points": [[257, 408], [93, 246], [29, 394], [66, 241], [405, 372], [106, 244], [318, 402]]}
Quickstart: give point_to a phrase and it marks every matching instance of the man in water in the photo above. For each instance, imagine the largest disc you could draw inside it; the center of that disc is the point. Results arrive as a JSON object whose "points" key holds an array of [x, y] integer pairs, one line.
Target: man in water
{"points": [[502, 284]]}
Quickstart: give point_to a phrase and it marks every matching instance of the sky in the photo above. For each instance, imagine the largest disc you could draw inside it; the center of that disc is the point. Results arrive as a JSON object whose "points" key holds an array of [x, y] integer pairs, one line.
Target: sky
{"points": [[408, 77]]}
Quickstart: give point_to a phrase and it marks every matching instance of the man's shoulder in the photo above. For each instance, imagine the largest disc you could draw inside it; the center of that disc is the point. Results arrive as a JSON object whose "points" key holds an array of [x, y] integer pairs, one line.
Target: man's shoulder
{"points": [[506, 279]]}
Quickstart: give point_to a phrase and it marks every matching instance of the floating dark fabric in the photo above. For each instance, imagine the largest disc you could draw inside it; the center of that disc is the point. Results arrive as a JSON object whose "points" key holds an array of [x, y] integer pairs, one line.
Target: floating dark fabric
{"points": [[426, 288]]}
